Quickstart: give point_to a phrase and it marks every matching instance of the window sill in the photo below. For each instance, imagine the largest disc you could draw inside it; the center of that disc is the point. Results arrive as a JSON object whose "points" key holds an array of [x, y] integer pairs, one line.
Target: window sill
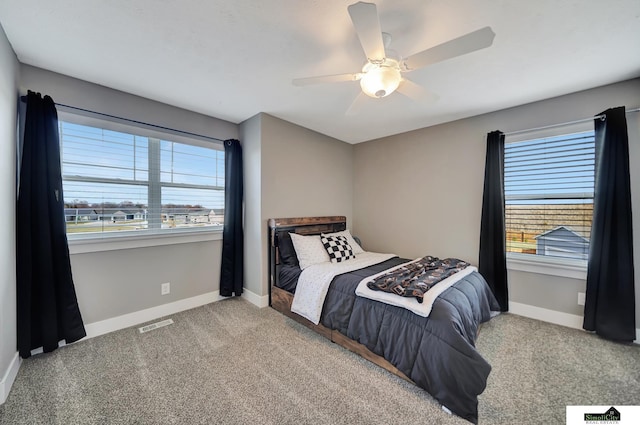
{"points": [[118, 242], [564, 267]]}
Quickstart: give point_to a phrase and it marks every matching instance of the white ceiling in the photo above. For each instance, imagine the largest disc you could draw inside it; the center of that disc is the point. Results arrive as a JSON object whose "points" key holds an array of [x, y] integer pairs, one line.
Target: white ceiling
{"points": [[235, 58]]}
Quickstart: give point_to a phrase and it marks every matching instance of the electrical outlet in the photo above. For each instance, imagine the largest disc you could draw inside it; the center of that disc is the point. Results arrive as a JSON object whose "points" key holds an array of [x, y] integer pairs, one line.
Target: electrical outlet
{"points": [[165, 288], [581, 298]]}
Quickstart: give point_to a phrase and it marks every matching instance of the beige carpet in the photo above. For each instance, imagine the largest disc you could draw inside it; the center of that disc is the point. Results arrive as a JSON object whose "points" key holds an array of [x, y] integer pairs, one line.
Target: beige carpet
{"points": [[232, 363]]}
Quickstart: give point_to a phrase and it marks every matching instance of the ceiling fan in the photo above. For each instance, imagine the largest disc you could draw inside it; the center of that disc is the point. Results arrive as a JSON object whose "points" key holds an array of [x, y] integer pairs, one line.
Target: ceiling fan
{"points": [[381, 75]]}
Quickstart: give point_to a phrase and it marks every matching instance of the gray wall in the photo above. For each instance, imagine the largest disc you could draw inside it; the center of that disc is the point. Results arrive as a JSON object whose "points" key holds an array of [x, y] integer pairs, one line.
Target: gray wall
{"points": [[82, 94], [8, 109], [420, 192], [251, 140], [112, 283], [301, 173]]}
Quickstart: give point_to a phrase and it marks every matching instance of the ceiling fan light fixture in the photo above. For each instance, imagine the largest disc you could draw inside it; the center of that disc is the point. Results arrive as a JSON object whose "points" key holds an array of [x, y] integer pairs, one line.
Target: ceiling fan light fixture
{"points": [[380, 80]]}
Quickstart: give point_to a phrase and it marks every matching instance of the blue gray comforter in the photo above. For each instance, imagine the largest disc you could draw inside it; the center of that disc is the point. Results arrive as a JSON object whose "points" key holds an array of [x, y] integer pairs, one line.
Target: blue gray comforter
{"points": [[437, 352]]}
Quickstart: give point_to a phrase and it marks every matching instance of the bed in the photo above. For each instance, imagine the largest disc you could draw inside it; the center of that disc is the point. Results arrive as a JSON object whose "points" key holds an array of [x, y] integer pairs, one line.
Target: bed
{"points": [[437, 352]]}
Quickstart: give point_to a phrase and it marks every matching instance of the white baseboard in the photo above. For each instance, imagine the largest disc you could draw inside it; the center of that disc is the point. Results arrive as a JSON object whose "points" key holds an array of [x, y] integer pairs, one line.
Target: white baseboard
{"points": [[131, 319], [552, 316], [9, 377], [546, 315], [255, 299]]}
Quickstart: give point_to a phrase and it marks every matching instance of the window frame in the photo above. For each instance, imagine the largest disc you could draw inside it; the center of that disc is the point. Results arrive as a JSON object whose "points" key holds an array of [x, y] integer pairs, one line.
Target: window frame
{"points": [[540, 264], [107, 241]]}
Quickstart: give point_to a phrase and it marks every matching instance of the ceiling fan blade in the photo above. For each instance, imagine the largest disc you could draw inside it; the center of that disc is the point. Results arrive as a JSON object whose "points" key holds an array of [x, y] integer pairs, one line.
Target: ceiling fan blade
{"points": [[415, 91], [468, 43], [357, 104], [365, 20], [337, 78]]}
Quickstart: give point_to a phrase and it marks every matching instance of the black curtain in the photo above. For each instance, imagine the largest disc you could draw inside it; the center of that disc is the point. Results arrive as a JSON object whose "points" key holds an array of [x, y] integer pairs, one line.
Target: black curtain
{"points": [[610, 299], [46, 299], [231, 275], [492, 263]]}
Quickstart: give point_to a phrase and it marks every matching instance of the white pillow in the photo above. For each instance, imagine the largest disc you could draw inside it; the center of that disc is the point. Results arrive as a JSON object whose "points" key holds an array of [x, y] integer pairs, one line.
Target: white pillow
{"points": [[357, 249], [309, 250]]}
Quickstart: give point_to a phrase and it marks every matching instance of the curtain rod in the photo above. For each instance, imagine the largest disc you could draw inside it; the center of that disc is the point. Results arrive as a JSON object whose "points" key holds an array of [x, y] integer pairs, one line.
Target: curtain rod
{"points": [[563, 123], [24, 99]]}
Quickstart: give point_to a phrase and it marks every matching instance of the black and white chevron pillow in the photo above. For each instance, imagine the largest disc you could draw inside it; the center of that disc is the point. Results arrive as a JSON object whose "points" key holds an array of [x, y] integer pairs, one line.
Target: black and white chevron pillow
{"points": [[338, 248]]}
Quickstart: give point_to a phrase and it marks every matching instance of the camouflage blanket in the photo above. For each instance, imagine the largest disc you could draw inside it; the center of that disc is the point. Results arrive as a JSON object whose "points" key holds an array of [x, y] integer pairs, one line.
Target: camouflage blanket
{"points": [[414, 279]]}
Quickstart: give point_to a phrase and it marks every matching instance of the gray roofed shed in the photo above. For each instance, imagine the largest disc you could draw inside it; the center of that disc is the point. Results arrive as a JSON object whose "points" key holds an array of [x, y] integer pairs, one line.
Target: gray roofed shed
{"points": [[562, 242]]}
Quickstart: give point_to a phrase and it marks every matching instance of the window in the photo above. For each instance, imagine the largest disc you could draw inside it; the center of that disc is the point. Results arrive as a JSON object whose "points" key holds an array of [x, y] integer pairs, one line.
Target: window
{"points": [[549, 186], [121, 183]]}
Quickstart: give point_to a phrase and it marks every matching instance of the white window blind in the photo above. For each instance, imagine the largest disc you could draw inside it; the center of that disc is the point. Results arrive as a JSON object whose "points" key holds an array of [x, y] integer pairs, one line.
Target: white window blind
{"points": [[549, 185], [119, 182]]}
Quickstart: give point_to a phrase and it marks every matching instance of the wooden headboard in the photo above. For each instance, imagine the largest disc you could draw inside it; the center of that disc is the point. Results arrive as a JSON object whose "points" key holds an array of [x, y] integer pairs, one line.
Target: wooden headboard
{"points": [[302, 226]]}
